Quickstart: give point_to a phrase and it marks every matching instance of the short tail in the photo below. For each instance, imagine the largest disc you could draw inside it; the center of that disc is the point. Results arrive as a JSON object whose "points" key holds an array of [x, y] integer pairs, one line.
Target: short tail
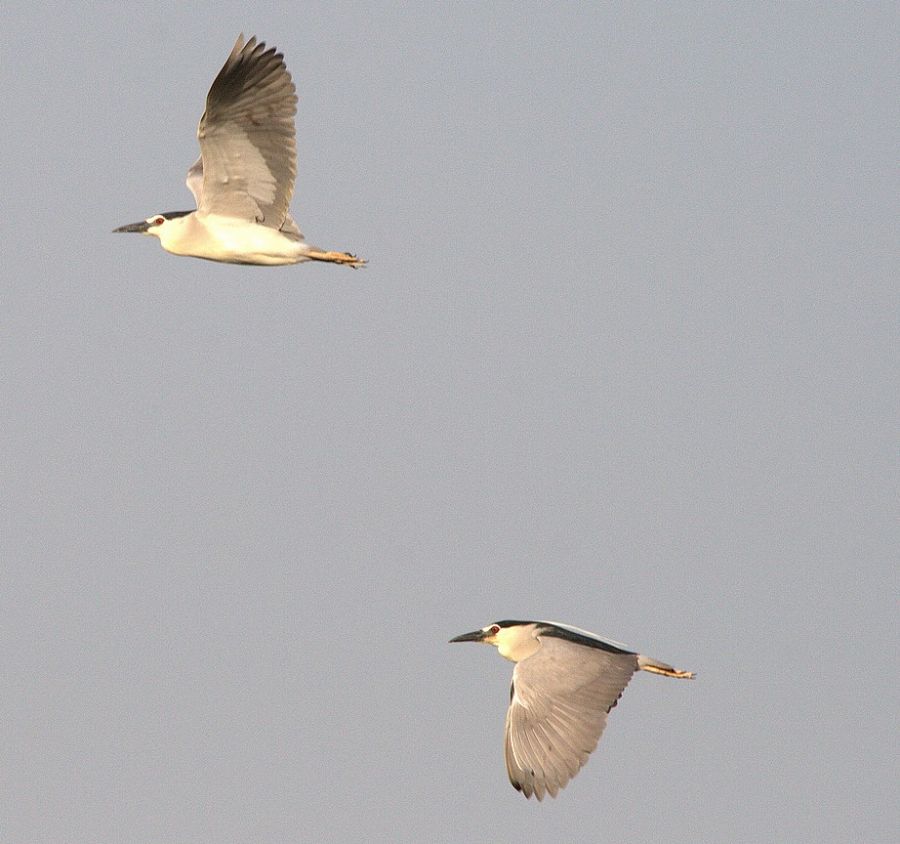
{"points": [[654, 666]]}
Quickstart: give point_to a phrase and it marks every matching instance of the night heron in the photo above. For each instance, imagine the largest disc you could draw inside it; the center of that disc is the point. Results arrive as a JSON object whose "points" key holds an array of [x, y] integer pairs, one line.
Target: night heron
{"points": [[564, 684], [244, 178]]}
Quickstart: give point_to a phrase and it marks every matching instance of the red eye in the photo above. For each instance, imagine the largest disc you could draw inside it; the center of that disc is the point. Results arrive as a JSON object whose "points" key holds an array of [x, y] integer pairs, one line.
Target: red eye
{"points": [[495, 629], [159, 221]]}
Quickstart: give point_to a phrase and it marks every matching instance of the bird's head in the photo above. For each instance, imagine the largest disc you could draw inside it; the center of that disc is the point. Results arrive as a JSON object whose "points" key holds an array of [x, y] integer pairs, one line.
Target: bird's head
{"points": [[515, 640], [153, 225]]}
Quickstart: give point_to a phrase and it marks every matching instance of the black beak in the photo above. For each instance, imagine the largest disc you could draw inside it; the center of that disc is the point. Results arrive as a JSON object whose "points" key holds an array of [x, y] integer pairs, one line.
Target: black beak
{"points": [[140, 228], [474, 636]]}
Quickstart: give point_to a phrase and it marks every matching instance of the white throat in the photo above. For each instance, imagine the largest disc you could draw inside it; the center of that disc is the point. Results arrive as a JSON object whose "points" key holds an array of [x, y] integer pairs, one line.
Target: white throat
{"points": [[516, 643]]}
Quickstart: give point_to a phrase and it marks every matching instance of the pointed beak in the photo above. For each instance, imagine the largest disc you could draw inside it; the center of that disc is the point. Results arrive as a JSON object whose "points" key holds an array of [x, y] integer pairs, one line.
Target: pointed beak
{"points": [[140, 228], [474, 636]]}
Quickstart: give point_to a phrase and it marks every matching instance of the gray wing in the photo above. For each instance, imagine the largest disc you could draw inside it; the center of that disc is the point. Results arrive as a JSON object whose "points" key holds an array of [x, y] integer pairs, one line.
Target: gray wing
{"points": [[291, 229], [248, 154], [559, 700], [194, 182]]}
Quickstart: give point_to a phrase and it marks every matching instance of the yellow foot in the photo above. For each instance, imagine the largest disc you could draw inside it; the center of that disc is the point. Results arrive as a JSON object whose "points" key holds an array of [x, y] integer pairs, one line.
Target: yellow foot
{"points": [[337, 258], [669, 672]]}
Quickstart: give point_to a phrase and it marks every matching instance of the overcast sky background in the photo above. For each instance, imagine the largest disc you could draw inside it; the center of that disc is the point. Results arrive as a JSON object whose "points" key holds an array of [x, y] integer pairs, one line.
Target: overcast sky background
{"points": [[624, 357]]}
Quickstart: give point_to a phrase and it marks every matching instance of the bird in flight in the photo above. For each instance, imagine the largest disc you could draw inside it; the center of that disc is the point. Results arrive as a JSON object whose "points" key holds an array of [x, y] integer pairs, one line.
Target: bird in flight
{"points": [[244, 178], [564, 684]]}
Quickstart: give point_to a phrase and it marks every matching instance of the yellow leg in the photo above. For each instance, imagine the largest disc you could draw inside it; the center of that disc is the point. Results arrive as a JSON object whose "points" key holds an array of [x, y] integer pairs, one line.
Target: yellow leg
{"points": [[337, 258], [669, 672]]}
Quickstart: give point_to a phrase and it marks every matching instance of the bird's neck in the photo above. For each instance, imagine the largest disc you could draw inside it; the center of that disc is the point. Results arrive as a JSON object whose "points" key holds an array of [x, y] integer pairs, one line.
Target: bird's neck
{"points": [[516, 643], [174, 236]]}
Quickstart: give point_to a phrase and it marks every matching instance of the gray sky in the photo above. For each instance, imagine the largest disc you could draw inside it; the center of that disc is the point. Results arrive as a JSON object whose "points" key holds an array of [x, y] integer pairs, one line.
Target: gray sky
{"points": [[624, 357]]}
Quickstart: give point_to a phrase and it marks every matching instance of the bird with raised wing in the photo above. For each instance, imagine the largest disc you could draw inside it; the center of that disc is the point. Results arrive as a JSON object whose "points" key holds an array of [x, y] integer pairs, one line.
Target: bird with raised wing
{"points": [[244, 178], [565, 682]]}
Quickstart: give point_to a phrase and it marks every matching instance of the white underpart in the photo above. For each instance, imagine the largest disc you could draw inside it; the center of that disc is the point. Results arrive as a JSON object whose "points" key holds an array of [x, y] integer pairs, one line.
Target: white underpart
{"points": [[228, 239]]}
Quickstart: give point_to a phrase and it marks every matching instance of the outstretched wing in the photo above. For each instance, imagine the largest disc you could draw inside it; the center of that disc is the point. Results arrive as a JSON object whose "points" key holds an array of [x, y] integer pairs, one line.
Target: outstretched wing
{"points": [[248, 153], [559, 701]]}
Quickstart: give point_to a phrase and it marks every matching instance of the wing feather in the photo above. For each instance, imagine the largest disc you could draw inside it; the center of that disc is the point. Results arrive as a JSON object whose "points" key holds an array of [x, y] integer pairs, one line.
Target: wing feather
{"points": [[557, 713], [248, 152]]}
